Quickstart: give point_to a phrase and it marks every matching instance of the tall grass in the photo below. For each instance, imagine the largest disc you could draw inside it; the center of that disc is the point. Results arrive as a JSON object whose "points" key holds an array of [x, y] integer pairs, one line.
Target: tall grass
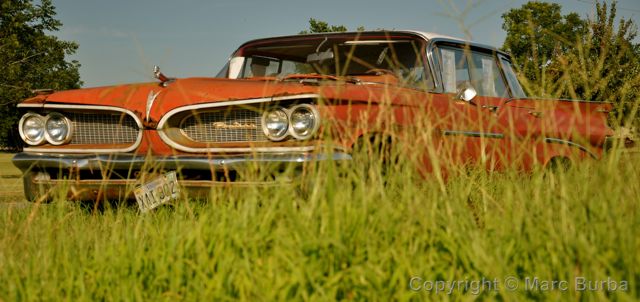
{"points": [[354, 232], [357, 237]]}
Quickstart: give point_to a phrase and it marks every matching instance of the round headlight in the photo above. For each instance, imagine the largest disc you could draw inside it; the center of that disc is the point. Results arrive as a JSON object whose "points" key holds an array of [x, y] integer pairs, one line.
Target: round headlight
{"points": [[31, 128], [275, 124], [304, 121], [58, 129]]}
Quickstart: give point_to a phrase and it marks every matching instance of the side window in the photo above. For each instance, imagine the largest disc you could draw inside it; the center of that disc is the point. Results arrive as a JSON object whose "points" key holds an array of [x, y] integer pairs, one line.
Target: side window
{"points": [[485, 75], [455, 68], [515, 86], [480, 69]]}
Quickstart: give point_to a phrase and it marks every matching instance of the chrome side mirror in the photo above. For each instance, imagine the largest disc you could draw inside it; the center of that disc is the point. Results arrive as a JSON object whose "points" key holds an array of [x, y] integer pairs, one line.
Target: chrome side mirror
{"points": [[466, 92]]}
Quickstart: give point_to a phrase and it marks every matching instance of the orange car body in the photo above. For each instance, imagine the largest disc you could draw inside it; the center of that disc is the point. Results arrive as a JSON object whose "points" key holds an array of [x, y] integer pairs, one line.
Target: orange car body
{"points": [[459, 98]]}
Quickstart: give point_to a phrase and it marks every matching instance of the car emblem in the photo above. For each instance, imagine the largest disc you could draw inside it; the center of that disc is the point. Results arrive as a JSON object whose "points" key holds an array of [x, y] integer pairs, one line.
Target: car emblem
{"points": [[150, 99], [235, 125]]}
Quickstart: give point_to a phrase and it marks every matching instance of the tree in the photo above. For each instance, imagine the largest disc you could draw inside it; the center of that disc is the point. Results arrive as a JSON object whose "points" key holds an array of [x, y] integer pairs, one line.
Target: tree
{"points": [[30, 59], [570, 57], [316, 26], [537, 33], [605, 64]]}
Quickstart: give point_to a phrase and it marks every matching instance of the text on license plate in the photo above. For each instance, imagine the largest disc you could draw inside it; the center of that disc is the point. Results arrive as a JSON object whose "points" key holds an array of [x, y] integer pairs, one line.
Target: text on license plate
{"points": [[157, 191]]}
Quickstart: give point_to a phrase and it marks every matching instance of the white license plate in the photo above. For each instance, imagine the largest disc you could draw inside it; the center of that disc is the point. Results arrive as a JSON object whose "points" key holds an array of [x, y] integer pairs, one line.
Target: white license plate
{"points": [[157, 191]]}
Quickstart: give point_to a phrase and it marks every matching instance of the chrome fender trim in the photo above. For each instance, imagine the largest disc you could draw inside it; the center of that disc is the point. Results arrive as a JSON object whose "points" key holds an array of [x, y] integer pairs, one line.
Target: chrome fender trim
{"points": [[552, 140], [472, 134]]}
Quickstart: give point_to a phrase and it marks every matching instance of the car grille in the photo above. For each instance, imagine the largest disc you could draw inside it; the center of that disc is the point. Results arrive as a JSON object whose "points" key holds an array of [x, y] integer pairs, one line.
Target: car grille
{"points": [[224, 126], [103, 128]]}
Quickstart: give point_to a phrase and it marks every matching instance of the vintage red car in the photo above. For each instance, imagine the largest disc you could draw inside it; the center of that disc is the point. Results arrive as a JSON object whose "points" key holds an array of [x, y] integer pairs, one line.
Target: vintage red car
{"points": [[299, 99]]}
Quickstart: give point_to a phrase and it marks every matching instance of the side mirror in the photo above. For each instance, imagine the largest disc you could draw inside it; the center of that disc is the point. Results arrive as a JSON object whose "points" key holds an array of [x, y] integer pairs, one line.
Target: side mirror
{"points": [[466, 92]]}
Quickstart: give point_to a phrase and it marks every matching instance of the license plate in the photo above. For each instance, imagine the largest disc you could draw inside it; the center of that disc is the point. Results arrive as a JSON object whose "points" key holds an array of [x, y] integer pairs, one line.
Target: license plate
{"points": [[158, 191]]}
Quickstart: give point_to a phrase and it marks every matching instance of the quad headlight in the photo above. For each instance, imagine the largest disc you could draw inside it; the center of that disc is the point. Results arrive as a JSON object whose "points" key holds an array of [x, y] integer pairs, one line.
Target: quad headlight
{"points": [[304, 121], [275, 124], [300, 122], [55, 128], [58, 129], [31, 128]]}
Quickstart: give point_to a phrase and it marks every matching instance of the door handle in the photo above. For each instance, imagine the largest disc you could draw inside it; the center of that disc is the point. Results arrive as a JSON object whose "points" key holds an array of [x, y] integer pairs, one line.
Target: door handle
{"points": [[491, 108], [537, 114]]}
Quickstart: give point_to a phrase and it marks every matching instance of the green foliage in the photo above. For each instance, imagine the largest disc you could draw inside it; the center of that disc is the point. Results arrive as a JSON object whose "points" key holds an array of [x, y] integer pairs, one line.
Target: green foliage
{"points": [[569, 57], [30, 58], [536, 34], [353, 237], [606, 64], [316, 26]]}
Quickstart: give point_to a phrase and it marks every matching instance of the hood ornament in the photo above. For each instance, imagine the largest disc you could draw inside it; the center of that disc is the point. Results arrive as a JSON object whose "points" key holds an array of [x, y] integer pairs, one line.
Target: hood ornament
{"points": [[164, 80]]}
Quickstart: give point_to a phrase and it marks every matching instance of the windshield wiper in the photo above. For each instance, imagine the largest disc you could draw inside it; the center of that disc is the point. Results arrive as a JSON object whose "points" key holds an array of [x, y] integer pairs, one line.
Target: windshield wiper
{"points": [[318, 77]]}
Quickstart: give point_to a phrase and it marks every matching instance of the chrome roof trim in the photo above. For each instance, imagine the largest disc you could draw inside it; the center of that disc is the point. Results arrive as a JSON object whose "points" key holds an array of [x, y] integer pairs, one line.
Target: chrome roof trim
{"points": [[429, 36]]}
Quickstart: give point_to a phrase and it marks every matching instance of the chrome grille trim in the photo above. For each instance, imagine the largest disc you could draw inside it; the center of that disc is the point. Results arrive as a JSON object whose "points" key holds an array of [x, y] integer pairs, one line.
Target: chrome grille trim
{"points": [[134, 145], [229, 125], [102, 128], [163, 122]]}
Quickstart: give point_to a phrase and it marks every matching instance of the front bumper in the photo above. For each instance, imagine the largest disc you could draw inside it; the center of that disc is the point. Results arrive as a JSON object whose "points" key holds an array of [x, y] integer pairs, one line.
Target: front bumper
{"points": [[28, 161], [93, 176]]}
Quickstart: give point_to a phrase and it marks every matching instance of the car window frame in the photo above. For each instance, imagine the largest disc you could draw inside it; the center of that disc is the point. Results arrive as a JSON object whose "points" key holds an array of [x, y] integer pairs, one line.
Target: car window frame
{"points": [[439, 56], [511, 92], [496, 62], [467, 48]]}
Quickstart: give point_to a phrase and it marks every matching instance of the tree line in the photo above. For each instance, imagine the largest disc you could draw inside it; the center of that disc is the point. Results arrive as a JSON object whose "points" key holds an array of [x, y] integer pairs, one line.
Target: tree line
{"points": [[566, 56]]}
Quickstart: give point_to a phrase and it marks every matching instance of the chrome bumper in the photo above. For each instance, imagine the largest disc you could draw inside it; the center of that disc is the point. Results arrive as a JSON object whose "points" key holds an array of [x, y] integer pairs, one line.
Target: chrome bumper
{"points": [[76, 162], [80, 188]]}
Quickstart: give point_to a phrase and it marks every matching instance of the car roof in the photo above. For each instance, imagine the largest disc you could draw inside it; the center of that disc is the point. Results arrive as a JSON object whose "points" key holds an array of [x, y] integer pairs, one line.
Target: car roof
{"points": [[429, 36]]}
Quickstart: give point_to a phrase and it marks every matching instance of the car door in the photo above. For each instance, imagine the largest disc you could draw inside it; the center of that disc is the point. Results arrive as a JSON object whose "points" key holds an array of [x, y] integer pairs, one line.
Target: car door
{"points": [[475, 134], [517, 122]]}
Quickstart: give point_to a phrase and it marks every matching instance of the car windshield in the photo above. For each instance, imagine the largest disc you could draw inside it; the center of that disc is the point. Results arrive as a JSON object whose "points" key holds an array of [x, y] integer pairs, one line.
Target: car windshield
{"points": [[376, 60]]}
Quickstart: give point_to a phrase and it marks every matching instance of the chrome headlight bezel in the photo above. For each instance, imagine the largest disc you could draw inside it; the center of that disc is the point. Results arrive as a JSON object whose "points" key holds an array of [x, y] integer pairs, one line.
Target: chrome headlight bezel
{"points": [[310, 131], [23, 134], [265, 127], [69, 129]]}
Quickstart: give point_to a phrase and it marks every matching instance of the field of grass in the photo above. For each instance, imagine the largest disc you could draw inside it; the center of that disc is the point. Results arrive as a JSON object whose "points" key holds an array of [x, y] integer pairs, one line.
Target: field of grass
{"points": [[10, 180], [353, 237]]}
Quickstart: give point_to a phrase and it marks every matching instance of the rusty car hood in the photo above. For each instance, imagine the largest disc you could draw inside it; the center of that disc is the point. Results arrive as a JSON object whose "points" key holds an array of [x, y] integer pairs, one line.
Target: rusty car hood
{"points": [[190, 91]]}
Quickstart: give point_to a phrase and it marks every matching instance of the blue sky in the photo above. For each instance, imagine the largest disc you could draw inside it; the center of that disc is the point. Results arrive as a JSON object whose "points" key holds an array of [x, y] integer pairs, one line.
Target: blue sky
{"points": [[121, 40]]}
